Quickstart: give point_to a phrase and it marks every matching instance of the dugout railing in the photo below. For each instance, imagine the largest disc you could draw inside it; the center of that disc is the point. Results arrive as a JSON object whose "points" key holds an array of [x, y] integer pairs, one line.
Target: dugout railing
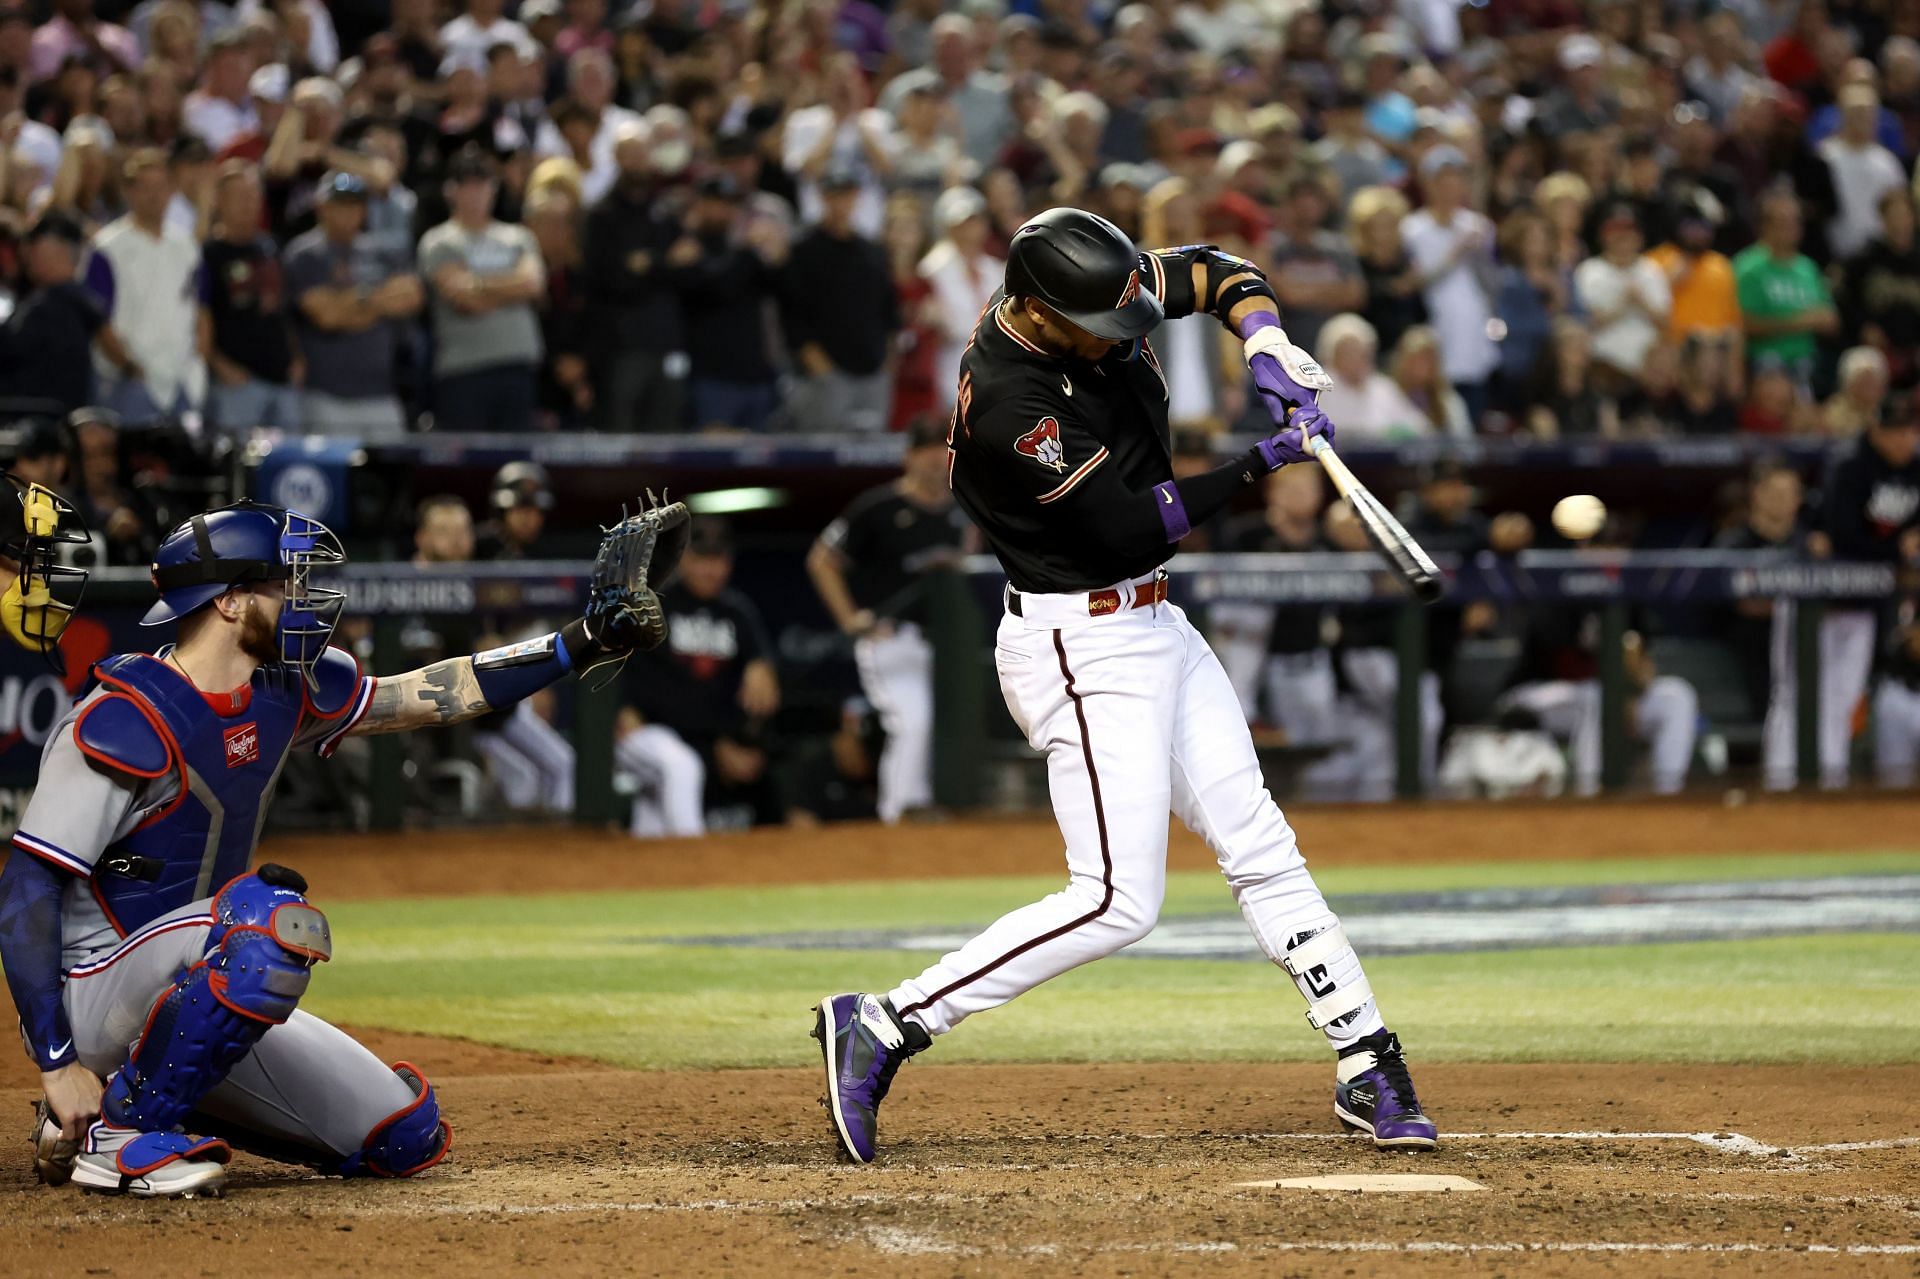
{"points": [[961, 606]]}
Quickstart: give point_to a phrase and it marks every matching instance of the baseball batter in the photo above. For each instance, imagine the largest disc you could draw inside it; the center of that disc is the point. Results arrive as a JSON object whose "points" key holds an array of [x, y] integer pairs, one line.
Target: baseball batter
{"points": [[138, 946], [1060, 454]]}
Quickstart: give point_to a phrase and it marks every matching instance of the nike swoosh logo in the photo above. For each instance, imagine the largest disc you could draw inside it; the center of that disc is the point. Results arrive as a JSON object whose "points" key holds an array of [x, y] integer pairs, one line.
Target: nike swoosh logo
{"points": [[1166, 497], [1066, 384], [55, 1052]]}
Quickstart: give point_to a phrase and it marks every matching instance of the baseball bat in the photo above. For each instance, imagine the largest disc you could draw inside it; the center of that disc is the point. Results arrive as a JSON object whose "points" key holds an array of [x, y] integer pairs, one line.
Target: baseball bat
{"points": [[1409, 562]]}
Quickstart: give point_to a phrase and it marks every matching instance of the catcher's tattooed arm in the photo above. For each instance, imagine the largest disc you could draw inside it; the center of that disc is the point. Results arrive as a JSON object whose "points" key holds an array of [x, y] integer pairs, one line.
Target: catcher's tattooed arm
{"points": [[622, 614], [443, 693]]}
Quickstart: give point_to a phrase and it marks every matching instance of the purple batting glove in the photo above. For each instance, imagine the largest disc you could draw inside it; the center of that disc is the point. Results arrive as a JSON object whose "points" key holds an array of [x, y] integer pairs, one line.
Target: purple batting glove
{"points": [[1291, 445], [1278, 389]]}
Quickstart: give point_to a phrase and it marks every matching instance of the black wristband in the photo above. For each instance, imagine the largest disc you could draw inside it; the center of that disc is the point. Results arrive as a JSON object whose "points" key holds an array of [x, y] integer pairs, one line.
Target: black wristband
{"points": [[580, 645]]}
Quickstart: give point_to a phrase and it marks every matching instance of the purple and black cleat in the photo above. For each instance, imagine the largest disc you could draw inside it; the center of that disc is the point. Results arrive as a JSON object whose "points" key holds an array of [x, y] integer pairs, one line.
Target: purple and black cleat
{"points": [[863, 1042], [1374, 1094]]}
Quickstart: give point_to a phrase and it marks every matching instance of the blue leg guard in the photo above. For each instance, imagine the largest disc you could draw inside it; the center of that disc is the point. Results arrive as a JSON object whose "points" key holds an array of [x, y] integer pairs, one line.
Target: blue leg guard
{"points": [[260, 954], [409, 1141]]}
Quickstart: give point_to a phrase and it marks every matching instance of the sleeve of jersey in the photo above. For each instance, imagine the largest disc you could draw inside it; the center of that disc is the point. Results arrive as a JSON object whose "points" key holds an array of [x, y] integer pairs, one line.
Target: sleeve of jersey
{"points": [[1169, 273], [1040, 446], [325, 735], [30, 894], [76, 809]]}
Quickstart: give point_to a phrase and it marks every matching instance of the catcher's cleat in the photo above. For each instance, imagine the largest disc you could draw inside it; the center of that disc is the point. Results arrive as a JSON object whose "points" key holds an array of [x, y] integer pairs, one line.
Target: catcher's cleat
{"points": [[53, 1153], [1374, 1095], [862, 1042], [151, 1165]]}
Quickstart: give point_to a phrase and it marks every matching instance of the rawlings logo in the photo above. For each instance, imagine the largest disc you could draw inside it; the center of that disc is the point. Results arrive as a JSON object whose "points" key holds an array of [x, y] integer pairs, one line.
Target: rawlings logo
{"points": [[243, 744], [1132, 290], [1042, 444]]}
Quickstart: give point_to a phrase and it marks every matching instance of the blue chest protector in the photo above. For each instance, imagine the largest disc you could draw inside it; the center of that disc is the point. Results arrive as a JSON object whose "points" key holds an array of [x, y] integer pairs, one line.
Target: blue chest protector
{"points": [[152, 723]]}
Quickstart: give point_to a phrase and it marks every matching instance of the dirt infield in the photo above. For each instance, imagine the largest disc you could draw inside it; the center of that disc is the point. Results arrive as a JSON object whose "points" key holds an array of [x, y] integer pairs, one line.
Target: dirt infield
{"points": [[442, 863], [1094, 1170], [1114, 1169]]}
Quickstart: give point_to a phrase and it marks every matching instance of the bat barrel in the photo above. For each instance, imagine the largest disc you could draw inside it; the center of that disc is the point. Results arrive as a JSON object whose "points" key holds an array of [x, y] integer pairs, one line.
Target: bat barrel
{"points": [[1405, 556]]}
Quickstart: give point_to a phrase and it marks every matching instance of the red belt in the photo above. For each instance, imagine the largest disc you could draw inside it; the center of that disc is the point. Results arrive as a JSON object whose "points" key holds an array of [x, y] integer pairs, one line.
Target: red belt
{"points": [[1100, 603]]}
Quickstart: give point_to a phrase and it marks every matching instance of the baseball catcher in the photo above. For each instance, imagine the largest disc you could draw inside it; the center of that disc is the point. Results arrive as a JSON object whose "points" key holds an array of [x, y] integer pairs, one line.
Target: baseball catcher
{"points": [[139, 947]]}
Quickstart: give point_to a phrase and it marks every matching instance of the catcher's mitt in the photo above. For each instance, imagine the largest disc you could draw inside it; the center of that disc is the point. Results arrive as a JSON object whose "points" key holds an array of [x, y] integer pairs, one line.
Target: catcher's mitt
{"points": [[636, 555]]}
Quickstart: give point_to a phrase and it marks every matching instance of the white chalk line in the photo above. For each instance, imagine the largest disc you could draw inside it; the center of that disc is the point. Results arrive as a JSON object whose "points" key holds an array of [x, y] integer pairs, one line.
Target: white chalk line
{"points": [[900, 1241], [1731, 1142]]}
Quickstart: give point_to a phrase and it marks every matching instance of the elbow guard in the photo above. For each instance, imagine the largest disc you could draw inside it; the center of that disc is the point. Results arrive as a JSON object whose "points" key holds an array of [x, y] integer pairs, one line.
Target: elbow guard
{"points": [[1222, 267]]}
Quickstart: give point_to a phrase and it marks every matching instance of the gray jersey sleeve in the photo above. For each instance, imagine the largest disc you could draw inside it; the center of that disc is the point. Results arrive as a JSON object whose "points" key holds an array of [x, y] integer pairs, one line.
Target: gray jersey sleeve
{"points": [[323, 736], [79, 808]]}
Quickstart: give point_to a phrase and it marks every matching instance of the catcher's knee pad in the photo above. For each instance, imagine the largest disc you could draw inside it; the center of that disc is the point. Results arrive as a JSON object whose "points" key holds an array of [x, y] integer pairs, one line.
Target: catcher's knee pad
{"points": [[407, 1142], [260, 953]]}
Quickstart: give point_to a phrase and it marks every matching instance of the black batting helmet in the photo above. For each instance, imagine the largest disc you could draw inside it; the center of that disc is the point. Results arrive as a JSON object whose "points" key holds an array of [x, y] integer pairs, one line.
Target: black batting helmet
{"points": [[1086, 268]]}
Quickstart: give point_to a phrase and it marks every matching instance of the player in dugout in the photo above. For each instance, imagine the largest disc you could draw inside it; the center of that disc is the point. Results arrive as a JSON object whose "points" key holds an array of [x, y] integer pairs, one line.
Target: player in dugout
{"points": [[140, 948]]}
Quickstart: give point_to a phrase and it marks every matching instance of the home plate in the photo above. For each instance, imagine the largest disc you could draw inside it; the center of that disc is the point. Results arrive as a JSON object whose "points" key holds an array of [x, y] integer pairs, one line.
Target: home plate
{"points": [[1376, 1183]]}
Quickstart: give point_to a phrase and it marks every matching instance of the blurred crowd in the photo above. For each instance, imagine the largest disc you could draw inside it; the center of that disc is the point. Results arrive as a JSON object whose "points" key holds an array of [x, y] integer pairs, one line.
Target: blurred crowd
{"points": [[1534, 216]]}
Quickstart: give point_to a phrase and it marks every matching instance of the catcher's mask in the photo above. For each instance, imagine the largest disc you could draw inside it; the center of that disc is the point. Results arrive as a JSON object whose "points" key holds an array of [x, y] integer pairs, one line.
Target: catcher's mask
{"points": [[254, 542], [42, 598]]}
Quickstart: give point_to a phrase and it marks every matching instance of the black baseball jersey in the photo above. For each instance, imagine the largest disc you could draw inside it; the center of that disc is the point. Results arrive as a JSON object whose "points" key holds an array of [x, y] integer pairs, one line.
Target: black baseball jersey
{"points": [[888, 540], [1046, 447], [1296, 628], [1869, 503], [691, 683]]}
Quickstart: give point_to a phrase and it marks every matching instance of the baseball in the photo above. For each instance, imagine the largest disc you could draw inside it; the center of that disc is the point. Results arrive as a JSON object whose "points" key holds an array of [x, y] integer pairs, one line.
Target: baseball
{"points": [[1579, 517]]}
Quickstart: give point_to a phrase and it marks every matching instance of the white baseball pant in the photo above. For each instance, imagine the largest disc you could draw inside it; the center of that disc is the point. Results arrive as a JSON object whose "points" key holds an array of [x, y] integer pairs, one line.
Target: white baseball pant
{"points": [[672, 782], [306, 1082], [1137, 718], [1896, 733], [896, 672], [1666, 716], [530, 760], [1240, 634], [1846, 661], [1370, 715]]}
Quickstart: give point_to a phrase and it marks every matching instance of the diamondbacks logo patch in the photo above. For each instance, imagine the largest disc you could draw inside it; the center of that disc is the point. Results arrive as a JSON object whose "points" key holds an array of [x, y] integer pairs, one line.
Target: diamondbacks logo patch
{"points": [[243, 744], [1132, 290], [1042, 444]]}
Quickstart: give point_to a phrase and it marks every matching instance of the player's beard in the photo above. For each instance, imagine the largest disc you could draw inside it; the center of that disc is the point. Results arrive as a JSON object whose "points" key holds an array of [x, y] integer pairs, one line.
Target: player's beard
{"points": [[260, 634]]}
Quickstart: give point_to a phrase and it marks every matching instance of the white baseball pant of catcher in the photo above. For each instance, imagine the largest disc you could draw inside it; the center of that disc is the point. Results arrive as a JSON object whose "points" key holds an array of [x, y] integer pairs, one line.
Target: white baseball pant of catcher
{"points": [[1896, 733], [531, 760], [896, 673], [1137, 719], [306, 1082], [1846, 661]]}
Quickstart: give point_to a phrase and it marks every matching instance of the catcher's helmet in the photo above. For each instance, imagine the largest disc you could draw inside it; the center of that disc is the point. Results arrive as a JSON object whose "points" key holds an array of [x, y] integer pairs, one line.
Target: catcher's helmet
{"points": [[35, 523], [1086, 268], [253, 542]]}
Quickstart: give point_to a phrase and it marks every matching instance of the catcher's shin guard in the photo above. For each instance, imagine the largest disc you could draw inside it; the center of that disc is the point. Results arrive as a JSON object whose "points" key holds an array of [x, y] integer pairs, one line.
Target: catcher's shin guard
{"points": [[260, 952], [407, 1142]]}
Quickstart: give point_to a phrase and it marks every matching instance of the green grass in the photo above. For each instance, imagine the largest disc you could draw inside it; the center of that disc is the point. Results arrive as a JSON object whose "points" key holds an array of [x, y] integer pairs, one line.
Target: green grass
{"points": [[596, 976]]}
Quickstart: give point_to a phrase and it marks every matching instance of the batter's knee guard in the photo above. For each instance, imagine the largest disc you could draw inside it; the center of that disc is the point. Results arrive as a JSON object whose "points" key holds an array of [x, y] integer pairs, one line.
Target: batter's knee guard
{"points": [[407, 1142], [259, 957]]}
